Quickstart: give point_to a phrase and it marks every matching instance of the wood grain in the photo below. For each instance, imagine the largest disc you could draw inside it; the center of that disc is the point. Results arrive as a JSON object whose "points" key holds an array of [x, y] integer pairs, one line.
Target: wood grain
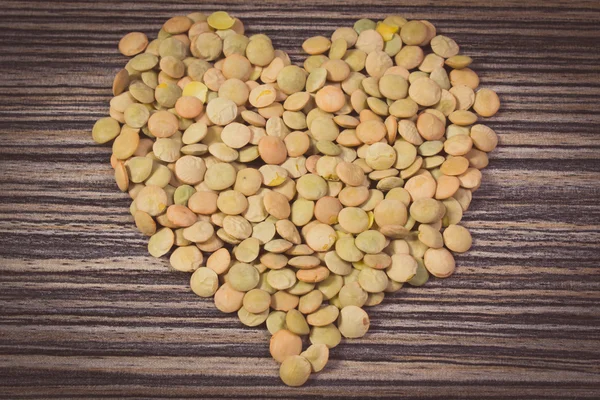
{"points": [[86, 313]]}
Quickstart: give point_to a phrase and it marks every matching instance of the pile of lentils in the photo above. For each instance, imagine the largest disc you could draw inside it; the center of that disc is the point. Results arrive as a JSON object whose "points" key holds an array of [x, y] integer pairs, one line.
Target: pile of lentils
{"points": [[299, 196]]}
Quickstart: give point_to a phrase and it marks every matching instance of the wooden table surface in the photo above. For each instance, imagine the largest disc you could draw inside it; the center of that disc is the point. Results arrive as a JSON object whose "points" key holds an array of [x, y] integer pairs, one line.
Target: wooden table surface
{"points": [[85, 312]]}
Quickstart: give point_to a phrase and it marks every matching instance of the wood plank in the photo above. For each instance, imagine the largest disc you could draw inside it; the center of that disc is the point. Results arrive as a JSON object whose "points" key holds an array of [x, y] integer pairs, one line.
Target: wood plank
{"points": [[85, 312]]}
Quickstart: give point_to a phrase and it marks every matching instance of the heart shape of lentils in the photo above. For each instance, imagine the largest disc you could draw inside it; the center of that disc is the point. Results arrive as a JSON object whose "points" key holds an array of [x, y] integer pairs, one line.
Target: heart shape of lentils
{"points": [[299, 196]]}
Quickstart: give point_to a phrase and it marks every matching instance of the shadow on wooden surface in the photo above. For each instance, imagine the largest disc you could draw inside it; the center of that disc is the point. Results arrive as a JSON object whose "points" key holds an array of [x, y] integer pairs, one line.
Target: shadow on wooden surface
{"points": [[86, 313]]}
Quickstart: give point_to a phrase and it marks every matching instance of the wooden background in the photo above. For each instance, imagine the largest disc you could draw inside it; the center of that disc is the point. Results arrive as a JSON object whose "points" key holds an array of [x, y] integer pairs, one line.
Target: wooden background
{"points": [[86, 313]]}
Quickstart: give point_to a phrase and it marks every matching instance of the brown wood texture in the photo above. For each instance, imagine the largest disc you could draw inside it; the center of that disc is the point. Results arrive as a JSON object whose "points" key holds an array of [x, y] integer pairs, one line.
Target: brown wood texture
{"points": [[85, 312]]}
